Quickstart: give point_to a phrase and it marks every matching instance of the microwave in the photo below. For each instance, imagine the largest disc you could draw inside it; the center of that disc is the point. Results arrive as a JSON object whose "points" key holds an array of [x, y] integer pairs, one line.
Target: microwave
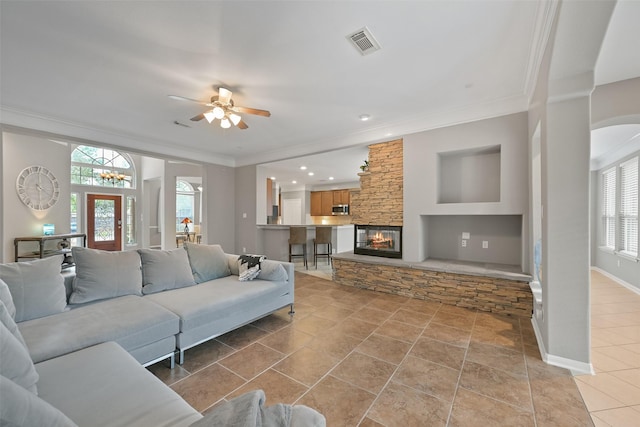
{"points": [[340, 210]]}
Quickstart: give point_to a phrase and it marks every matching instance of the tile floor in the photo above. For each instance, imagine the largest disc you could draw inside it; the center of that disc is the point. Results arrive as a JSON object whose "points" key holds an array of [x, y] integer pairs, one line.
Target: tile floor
{"points": [[371, 359], [612, 395]]}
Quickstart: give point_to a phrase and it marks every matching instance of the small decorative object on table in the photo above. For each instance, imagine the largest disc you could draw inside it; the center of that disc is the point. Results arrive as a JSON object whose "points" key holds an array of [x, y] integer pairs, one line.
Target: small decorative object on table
{"points": [[48, 229], [365, 166], [186, 223]]}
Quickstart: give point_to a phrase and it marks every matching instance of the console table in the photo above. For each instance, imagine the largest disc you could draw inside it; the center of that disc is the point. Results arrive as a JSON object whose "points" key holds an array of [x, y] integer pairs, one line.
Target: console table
{"points": [[63, 246]]}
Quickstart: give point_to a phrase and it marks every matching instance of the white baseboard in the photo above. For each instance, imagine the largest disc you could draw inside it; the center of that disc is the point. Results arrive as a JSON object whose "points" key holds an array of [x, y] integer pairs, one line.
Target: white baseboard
{"points": [[576, 367], [617, 280]]}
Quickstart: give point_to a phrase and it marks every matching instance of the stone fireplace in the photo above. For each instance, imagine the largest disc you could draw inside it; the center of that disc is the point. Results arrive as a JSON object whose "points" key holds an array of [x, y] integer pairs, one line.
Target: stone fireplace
{"points": [[378, 240]]}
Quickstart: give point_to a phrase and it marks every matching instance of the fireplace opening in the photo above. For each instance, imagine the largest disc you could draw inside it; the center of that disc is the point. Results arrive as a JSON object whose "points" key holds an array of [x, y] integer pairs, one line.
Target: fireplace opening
{"points": [[378, 240]]}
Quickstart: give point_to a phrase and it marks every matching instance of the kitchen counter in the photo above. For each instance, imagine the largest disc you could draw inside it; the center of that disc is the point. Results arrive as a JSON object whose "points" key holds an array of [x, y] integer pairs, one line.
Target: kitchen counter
{"points": [[273, 240]]}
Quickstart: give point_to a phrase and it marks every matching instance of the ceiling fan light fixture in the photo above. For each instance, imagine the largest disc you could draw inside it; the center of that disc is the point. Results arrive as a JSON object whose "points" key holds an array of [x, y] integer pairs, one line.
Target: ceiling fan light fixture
{"points": [[235, 119], [225, 123], [209, 116], [218, 112]]}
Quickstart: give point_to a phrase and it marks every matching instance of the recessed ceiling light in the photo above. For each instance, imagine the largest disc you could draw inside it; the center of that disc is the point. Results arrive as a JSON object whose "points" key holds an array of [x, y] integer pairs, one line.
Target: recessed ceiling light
{"points": [[364, 117], [294, 182], [303, 168], [330, 178], [273, 178], [310, 174]]}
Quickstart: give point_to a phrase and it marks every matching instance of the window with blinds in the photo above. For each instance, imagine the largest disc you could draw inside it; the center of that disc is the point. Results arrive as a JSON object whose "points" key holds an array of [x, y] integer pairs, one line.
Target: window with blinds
{"points": [[609, 208], [629, 207]]}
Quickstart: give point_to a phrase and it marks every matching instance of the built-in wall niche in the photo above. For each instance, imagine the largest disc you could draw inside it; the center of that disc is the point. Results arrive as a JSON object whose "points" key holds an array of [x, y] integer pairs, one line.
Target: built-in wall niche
{"points": [[469, 176], [446, 238]]}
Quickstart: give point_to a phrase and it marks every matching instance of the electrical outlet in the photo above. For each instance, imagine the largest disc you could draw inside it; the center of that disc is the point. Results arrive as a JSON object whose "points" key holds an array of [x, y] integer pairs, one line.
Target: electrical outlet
{"points": [[485, 244], [464, 243], [244, 250], [244, 215], [466, 235]]}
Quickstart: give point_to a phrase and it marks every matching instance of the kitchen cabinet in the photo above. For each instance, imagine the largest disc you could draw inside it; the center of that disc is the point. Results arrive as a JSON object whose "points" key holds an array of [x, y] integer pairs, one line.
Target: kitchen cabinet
{"points": [[316, 203], [327, 202], [323, 201]]}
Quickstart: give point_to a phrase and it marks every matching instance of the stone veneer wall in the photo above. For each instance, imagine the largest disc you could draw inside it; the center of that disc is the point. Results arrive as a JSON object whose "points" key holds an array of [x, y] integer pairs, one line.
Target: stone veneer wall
{"points": [[380, 200], [489, 294]]}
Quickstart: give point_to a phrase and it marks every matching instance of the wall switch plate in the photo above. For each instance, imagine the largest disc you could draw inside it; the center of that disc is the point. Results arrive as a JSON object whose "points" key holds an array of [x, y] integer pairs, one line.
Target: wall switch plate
{"points": [[244, 215], [466, 235], [485, 244], [464, 243]]}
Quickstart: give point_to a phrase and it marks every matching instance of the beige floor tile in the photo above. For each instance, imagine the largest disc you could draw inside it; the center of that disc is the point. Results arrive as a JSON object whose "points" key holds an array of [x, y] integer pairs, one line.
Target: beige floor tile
{"points": [[632, 347], [557, 402], [385, 348], [605, 363], [399, 331], [364, 371], [354, 327], [334, 312], [631, 376], [454, 320], [274, 321], [385, 304], [620, 417], [401, 406], [205, 354], [336, 346], [428, 377], [422, 306], [595, 399], [209, 385], [368, 422], [251, 360], [510, 340], [313, 324], [613, 386], [473, 409], [630, 332], [629, 358], [277, 387], [306, 365], [499, 323], [341, 403]]}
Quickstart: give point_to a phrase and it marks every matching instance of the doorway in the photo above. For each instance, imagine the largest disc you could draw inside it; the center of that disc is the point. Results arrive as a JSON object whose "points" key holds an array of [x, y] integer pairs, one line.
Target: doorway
{"points": [[104, 222]]}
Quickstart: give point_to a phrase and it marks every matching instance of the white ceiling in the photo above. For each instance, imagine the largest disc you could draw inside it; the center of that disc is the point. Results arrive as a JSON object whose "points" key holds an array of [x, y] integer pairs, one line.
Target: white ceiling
{"points": [[102, 70]]}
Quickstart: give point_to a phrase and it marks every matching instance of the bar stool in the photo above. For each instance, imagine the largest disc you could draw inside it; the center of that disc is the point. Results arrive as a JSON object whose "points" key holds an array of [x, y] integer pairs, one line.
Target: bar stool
{"points": [[298, 236], [323, 237]]}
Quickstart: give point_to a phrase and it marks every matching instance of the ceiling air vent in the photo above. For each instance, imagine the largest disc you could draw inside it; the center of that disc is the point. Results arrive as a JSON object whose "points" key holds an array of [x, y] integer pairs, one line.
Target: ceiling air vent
{"points": [[364, 41]]}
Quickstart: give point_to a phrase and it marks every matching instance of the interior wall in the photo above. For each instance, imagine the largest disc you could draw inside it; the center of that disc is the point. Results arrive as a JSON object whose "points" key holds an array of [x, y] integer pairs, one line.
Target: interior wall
{"points": [[18, 152], [422, 181], [219, 209], [247, 209]]}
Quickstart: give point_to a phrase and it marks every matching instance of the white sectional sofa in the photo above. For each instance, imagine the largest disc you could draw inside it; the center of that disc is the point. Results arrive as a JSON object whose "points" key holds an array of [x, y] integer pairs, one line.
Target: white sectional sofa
{"points": [[87, 336]]}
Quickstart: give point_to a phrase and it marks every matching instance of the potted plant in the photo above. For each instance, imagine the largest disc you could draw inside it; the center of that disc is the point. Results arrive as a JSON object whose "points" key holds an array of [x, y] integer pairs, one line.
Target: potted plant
{"points": [[365, 167]]}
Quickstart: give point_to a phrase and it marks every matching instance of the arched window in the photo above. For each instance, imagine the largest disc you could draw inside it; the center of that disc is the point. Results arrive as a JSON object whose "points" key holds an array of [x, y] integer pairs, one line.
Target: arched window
{"points": [[101, 167], [185, 204]]}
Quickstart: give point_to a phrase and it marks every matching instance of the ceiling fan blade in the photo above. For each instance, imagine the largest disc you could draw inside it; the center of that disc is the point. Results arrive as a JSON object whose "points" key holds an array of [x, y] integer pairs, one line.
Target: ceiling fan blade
{"points": [[224, 96], [255, 111], [197, 118], [182, 98], [242, 125]]}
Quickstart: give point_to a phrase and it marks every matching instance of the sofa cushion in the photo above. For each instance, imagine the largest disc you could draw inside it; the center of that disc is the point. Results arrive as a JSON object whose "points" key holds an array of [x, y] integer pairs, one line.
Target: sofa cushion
{"points": [[208, 262], [131, 321], [37, 288], [5, 297], [10, 324], [272, 270], [105, 274], [103, 385], [20, 407], [15, 362], [209, 301], [249, 266], [164, 270]]}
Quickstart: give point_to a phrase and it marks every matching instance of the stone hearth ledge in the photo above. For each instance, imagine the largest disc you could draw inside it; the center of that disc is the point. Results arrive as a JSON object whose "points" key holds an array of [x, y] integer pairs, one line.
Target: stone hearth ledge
{"points": [[497, 271]]}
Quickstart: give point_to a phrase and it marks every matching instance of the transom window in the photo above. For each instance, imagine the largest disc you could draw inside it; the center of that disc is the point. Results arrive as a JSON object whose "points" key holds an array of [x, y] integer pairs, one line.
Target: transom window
{"points": [[101, 167]]}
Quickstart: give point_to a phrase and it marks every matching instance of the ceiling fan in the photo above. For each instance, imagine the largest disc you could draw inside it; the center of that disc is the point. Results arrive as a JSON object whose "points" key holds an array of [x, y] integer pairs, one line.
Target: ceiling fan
{"points": [[223, 109]]}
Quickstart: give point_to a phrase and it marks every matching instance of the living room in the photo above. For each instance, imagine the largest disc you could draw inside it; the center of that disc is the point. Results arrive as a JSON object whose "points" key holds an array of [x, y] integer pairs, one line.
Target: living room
{"points": [[564, 106]]}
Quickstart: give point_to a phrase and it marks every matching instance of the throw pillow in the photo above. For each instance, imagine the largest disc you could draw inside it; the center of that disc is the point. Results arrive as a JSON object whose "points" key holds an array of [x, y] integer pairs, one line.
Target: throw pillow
{"points": [[21, 408], [249, 266], [10, 324], [272, 271], [207, 262], [15, 362], [104, 274], [164, 270], [5, 297], [37, 287]]}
